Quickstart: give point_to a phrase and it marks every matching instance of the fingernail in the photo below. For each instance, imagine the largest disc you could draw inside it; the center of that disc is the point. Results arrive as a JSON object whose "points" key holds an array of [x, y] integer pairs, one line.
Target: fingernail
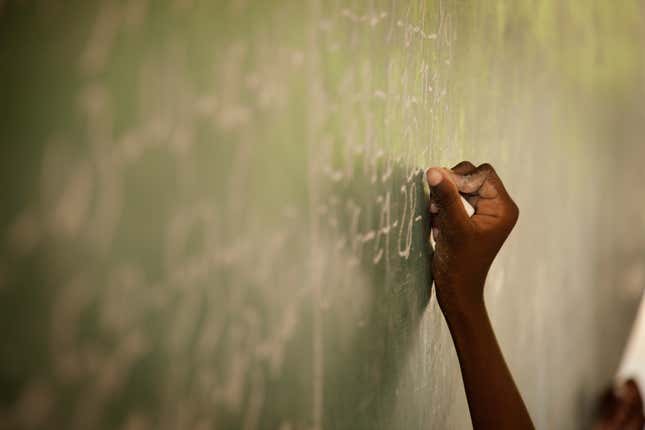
{"points": [[434, 176]]}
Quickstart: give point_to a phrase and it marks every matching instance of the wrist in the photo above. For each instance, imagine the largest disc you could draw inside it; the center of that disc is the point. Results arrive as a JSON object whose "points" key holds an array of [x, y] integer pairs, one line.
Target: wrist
{"points": [[465, 314], [467, 325], [461, 301]]}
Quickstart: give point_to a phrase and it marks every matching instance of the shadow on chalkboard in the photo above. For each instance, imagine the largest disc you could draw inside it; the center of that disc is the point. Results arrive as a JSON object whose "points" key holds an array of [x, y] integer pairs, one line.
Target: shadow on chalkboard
{"points": [[387, 222]]}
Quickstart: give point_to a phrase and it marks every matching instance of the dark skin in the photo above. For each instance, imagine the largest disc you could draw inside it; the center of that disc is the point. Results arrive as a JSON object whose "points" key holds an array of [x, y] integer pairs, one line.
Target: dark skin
{"points": [[465, 249], [621, 408]]}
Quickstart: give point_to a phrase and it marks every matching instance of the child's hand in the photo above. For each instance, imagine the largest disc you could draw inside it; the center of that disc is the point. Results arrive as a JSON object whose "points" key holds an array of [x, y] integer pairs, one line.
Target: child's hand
{"points": [[621, 408], [465, 247]]}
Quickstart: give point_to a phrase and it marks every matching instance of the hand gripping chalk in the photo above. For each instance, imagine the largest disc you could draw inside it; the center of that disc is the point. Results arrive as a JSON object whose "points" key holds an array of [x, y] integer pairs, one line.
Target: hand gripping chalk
{"points": [[470, 210]]}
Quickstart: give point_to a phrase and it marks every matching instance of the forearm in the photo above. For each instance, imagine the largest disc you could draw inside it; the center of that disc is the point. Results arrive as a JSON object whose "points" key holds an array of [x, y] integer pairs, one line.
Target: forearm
{"points": [[493, 398]]}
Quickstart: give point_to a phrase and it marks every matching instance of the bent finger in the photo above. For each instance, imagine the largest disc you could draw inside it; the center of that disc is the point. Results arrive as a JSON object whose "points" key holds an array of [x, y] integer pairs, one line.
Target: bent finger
{"points": [[444, 193], [463, 168]]}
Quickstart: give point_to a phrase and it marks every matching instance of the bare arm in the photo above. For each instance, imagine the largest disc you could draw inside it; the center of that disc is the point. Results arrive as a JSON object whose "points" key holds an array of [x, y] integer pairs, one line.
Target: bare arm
{"points": [[465, 249]]}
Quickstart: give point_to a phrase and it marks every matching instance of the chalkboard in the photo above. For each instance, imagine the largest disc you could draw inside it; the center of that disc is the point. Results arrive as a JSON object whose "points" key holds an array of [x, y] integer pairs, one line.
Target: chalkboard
{"points": [[214, 213]]}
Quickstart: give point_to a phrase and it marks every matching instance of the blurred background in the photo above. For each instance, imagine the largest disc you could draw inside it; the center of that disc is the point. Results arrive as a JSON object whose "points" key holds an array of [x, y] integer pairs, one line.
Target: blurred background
{"points": [[213, 214]]}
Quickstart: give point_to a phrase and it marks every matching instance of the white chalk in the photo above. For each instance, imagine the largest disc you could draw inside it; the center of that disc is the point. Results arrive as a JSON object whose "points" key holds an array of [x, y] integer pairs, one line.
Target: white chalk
{"points": [[470, 210]]}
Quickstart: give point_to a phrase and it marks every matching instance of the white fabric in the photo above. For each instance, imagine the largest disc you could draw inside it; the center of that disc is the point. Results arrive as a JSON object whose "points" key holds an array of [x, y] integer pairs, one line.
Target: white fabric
{"points": [[633, 361]]}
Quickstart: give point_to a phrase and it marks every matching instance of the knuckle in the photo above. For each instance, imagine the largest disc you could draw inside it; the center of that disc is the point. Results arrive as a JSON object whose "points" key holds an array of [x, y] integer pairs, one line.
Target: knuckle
{"points": [[489, 173], [512, 212], [486, 167], [465, 163]]}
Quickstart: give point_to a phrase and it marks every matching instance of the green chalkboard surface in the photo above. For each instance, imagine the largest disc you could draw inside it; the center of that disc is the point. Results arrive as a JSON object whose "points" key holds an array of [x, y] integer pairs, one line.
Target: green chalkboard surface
{"points": [[213, 213]]}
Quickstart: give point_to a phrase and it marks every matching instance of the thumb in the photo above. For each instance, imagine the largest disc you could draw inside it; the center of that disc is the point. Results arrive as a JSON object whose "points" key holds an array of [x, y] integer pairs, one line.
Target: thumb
{"points": [[445, 194]]}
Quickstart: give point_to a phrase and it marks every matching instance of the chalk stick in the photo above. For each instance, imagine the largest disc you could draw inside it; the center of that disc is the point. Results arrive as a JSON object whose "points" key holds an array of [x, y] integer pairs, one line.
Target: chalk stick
{"points": [[470, 210]]}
